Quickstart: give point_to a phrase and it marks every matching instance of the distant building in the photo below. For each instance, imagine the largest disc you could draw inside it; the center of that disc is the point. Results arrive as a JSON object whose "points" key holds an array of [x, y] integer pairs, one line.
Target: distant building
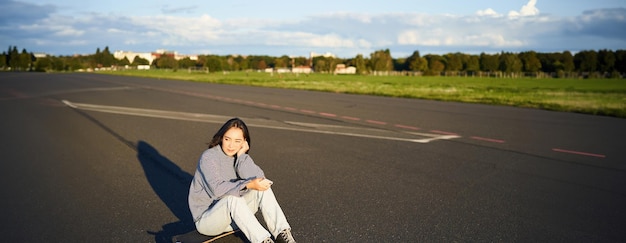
{"points": [[301, 69], [327, 54], [40, 55], [150, 56], [131, 55], [342, 69]]}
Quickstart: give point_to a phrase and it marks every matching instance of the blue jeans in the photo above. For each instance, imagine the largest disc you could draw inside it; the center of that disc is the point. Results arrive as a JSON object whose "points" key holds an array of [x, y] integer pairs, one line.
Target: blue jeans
{"points": [[233, 212]]}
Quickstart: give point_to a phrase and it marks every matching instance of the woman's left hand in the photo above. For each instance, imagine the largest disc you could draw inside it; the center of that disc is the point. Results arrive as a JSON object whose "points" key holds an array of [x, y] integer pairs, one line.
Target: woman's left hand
{"points": [[244, 148], [259, 184]]}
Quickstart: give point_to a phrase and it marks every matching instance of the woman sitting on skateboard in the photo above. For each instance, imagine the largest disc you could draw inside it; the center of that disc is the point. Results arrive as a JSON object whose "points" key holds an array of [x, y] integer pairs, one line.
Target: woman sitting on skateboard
{"points": [[228, 188]]}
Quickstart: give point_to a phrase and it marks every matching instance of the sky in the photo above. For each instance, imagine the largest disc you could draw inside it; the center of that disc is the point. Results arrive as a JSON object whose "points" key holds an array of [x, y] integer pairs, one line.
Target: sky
{"points": [[296, 28]]}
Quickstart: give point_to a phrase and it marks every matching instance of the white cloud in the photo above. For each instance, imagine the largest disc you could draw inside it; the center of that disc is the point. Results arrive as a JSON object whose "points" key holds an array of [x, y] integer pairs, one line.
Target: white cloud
{"points": [[487, 12], [527, 10], [69, 32], [345, 33], [363, 18], [413, 37]]}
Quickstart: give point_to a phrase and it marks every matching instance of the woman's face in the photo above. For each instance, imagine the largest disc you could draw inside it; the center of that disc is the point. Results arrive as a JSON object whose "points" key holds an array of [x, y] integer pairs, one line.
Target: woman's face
{"points": [[232, 141]]}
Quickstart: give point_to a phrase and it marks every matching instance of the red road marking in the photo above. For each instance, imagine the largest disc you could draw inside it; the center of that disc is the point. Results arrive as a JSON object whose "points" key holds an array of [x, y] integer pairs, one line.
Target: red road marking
{"points": [[351, 118], [579, 153], [443, 132], [407, 127], [327, 114], [376, 122], [488, 139]]}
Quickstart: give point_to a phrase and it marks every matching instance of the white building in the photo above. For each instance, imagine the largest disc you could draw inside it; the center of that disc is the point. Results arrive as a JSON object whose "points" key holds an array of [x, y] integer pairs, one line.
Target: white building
{"points": [[150, 56], [131, 55], [342, 69], [301, 69], [327, 54]]}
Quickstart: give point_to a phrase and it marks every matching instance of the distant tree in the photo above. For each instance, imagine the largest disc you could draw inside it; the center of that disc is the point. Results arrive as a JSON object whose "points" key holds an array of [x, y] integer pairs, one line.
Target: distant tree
{"points": [[59, 64], [73, 64], [417, 63], [489, 63], [333, 62], [530, 61], [321, 65], [97, 59], [435, 64], [399, 64], [606, 61], [472, 64], [215, 63], [124, 62], [186, 63], [325, 64], [568, 61], [586, 61], [549, 61], [260, 62], [453, 62], [140, 61], [381, 60], [232, 64], [360, 64], [282, 62], [301, 61], [239, 62], [25, 60], [620, 61], [13, 58], [261, 65], [3, 60], [166, 62], [108, 59], [103, 58], [43, 64], [510, 63]]}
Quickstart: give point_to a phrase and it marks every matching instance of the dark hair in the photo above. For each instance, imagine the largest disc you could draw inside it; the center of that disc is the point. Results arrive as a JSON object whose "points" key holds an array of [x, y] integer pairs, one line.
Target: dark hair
{"points": [[234, 122]]}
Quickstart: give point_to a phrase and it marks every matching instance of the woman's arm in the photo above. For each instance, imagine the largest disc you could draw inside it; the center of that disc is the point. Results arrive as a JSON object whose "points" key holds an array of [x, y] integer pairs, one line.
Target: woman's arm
{"points": [[217, 179]]}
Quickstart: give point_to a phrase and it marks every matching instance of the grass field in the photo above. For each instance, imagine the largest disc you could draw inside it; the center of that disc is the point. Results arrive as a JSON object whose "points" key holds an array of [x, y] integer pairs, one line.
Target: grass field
{"points": [[605, 97]]}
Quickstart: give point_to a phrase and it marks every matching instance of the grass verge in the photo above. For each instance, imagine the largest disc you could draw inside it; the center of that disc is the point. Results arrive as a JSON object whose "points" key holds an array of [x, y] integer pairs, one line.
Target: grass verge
{"points": [[606, 97]]}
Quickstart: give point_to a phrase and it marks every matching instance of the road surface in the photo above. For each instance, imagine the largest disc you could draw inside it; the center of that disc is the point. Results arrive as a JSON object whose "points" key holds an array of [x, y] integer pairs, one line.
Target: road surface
{"points": [[89, 157]]}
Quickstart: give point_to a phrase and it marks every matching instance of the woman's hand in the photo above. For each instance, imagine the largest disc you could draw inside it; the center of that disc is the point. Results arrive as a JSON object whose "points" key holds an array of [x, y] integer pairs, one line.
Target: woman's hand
{"points": [[259, 184], [244, 148]]}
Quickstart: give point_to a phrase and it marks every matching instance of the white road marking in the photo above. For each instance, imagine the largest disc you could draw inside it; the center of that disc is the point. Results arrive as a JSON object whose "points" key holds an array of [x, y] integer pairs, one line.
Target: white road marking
{"points": [[282, 125]]}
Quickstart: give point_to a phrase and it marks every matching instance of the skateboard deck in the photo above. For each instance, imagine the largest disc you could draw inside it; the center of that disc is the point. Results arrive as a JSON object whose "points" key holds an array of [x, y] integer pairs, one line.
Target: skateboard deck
{"points": [[196, 237]]}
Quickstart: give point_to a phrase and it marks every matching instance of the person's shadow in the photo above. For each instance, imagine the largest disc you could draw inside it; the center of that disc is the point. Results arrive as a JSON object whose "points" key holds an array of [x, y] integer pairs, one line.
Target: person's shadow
{"points": [[168, 181], [171, 184]]}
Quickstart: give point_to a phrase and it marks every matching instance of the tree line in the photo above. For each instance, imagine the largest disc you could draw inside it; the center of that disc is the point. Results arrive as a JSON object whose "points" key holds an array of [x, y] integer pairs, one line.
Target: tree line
{"points": [[590, 63]]}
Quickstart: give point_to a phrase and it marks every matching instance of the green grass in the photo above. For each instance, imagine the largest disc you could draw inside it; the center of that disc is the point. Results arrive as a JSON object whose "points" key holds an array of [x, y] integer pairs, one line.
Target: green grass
{"points": [[605, 97]]}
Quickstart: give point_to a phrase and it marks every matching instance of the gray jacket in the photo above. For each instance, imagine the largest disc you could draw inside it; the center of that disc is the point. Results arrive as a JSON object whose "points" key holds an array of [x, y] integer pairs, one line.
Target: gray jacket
{"points": [[218, 175]]}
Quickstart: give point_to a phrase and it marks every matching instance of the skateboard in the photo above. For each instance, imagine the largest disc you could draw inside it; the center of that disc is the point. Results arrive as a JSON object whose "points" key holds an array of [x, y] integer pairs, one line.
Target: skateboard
{"points": [[196, 237]]}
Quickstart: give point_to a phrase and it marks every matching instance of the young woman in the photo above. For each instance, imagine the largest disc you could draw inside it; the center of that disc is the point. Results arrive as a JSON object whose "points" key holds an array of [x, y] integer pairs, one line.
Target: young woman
{"points": [[228, 188]]}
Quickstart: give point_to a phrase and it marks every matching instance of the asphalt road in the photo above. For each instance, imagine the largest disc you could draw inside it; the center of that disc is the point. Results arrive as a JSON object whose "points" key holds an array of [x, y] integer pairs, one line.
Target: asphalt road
{"points": [[88, 157]]}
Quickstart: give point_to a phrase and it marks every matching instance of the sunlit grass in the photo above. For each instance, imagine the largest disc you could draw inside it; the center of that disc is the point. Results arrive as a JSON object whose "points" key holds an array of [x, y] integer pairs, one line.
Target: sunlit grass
{"points": [[591, 96]]}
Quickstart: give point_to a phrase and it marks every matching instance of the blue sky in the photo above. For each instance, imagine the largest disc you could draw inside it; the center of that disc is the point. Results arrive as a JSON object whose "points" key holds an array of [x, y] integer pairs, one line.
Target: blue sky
{"points": [[345, 28]]}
